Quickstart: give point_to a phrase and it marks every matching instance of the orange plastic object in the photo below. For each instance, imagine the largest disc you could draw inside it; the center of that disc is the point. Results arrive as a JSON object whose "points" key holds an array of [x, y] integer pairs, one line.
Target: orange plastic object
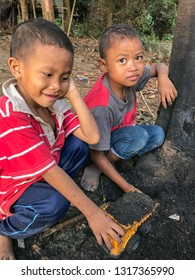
{"points": [[130, 230]]}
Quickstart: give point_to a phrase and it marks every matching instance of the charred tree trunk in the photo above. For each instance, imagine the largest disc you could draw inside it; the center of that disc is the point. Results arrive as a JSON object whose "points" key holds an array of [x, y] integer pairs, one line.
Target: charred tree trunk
{"points": [[179, 121]]}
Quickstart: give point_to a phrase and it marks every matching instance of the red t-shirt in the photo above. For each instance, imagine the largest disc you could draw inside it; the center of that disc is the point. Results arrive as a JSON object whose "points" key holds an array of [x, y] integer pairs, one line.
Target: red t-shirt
{"points": [[26, 152]]}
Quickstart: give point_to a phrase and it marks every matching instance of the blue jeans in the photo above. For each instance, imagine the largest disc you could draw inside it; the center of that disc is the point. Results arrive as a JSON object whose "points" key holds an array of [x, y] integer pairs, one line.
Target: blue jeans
{"points": [[127, 142], [41, 206]]}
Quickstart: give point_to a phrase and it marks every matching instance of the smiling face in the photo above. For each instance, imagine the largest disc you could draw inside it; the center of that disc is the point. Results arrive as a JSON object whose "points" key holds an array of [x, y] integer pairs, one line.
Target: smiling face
{"points": [[43, 77], [124, 63]]}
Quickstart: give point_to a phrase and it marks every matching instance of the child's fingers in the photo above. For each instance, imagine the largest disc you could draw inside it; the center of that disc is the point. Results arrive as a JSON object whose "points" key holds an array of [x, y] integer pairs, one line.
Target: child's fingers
{"points": [[173, 95], [168, 98], [175, 92], [137, 190], [107, 241], [104, 238], [99, 239], [72, 89], [117, 232], [133, 189], [163, 101]]}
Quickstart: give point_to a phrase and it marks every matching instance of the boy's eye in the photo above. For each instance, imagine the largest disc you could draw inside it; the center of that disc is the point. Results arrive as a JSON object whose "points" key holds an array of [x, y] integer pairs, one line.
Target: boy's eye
{"points": [[48, 74], [65, 78], [139, 57], [122, 60]]}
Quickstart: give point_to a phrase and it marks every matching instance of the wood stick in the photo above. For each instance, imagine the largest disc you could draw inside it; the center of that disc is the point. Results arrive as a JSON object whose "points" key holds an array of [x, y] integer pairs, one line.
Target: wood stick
{"points": [[71, 17], [142, 96], [62, 225]]}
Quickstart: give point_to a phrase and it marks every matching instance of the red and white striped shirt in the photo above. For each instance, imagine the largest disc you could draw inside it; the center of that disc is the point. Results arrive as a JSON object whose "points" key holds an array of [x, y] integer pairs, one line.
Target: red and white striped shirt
{"points": [[28, 145]]}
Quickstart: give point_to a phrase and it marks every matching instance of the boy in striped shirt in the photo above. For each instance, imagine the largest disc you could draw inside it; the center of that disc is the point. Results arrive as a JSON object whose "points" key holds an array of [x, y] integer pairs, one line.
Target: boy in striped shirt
{"points": [[43, 140]]}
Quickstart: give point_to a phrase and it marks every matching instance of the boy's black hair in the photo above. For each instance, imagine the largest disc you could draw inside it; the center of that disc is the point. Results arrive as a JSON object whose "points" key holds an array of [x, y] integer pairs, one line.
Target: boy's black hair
{"points": [[30, 32], [117, 31]]}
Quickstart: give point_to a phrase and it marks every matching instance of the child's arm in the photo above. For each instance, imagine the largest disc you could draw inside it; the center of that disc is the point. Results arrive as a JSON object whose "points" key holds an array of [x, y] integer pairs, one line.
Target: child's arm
{"points": [[88, 130], [101, 224], [166, 89], [104, 163]]}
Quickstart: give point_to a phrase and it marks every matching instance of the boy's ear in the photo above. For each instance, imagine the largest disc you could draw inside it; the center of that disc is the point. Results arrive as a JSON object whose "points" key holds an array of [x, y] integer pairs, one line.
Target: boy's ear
{"points": [[14, 65], [102, 65]]}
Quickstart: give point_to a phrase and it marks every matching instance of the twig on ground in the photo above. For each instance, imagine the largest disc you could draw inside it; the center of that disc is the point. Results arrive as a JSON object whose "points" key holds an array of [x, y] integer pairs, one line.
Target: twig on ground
{"points": [[62, 225], [94, 39], [148, 108]]}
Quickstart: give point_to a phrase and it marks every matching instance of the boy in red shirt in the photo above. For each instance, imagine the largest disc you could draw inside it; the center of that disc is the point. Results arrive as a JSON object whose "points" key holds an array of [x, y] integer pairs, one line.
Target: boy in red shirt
{"points": [[43, 143], [112, 100]]}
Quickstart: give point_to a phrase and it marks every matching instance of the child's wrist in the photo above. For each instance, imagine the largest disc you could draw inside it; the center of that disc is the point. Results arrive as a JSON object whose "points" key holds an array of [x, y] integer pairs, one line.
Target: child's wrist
{"points": [[163, 76]]}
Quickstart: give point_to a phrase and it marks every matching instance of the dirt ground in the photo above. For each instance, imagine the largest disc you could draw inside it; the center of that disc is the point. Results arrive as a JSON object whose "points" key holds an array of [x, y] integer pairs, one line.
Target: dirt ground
{"points": [[172, 236]]}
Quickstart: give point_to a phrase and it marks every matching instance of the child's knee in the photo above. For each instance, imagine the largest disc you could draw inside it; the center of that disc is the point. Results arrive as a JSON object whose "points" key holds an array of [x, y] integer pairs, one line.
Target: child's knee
{"points": [[57, 208], [159, 135], [28, 220], [128, 147]]}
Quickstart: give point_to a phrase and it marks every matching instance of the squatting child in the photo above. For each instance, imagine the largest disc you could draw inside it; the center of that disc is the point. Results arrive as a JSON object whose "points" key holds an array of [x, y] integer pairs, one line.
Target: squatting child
{"points": [[43, 140], [112, 101]]}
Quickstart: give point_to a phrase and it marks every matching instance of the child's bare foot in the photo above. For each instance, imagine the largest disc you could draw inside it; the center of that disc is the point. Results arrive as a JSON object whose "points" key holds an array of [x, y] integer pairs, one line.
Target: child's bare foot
{"points": [[90, 179], [6, 248]]}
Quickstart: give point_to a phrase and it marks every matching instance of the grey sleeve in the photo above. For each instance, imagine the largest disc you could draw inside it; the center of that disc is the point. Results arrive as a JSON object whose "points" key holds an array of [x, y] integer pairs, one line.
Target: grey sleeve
{"points": [[144, 78], [103, 118]]}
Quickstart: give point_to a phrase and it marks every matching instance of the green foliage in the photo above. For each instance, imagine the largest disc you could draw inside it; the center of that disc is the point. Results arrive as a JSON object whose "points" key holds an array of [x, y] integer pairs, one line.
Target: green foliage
{"points": [[78, 29], [145, 23], [153, 19], [58, 21], [150, 42], [164, 14], [81, 9], [167, 37], [97, 18]]}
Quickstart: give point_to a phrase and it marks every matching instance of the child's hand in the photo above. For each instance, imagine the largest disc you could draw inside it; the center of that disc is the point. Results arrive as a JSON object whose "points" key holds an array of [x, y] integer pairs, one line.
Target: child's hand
{"points": [[72, 90], [133, 189], [167, 91], [103, 226], [130, 188]]}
